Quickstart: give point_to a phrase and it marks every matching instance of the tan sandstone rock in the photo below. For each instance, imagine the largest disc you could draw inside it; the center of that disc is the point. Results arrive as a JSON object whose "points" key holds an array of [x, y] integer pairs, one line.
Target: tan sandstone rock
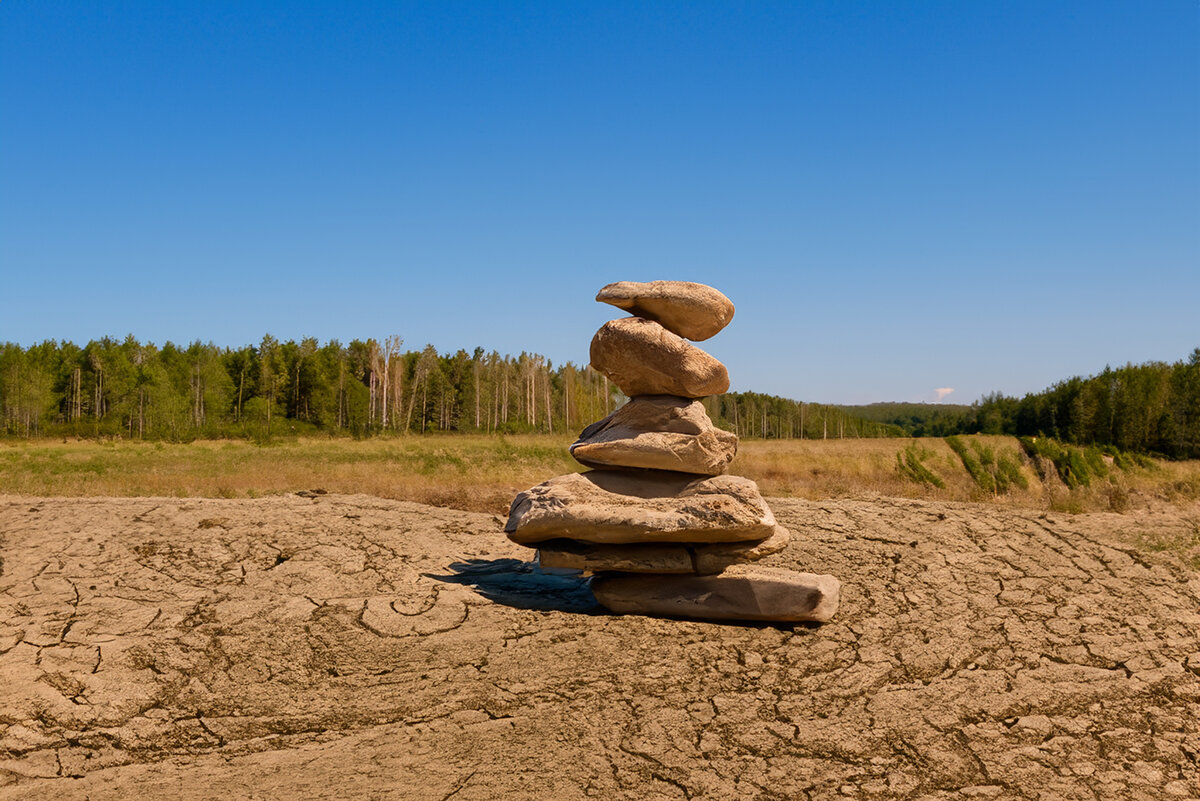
{"points": [[718, 556], [665, 558], [643, 358], [743, 592], [693, 311], [604, 506], [660, 432], [573, 555]]}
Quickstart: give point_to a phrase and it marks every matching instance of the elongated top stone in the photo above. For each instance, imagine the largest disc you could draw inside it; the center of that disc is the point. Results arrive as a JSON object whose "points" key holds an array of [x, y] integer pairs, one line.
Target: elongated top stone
{"points": [[660, 432], [643, 358], [693, 311], [606, 506]]}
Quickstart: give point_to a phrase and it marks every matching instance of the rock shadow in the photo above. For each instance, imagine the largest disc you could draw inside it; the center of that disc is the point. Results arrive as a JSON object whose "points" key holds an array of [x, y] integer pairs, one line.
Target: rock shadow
{"points": [[524, 585]]}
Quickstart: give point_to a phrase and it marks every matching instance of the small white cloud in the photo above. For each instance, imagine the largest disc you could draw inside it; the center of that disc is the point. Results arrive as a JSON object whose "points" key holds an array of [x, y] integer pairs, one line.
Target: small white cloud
{"points": [[942, 392]]}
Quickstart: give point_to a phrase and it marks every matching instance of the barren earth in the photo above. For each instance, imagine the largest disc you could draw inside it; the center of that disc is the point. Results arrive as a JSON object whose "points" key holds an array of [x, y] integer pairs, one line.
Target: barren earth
{"points": [[345, 646]]}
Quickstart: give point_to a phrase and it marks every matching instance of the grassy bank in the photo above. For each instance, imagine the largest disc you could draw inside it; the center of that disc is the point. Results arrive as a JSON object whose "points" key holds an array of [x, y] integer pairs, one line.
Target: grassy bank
{"points": [[462, 471], [482, 473], [992, 469]]}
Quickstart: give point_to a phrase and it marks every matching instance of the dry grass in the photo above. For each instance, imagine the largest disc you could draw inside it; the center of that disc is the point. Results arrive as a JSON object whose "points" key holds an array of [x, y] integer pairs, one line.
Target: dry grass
{"points": [[843, 468], [483, 473], [478, 473]]}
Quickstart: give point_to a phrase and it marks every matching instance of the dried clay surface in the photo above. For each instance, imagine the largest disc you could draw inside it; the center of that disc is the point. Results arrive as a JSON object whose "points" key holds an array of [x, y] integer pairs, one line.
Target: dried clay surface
{"points": [[348, 647]]}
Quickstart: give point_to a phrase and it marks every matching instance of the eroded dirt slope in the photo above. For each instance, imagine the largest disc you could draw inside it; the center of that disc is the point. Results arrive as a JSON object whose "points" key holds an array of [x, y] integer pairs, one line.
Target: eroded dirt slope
{"points": [[348, 647]]}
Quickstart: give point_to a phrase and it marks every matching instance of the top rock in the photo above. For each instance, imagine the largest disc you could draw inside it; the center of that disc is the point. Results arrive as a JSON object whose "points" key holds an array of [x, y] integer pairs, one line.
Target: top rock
{"points": [[693, 311]]}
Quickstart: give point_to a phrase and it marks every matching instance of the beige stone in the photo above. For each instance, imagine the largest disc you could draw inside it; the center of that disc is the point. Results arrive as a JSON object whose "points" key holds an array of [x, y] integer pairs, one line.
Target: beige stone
{"points": [[643, 358], [606, 506], [660, 432], [693, 311], [662, 558], [626, 558], [743, 592], [719, 556]]}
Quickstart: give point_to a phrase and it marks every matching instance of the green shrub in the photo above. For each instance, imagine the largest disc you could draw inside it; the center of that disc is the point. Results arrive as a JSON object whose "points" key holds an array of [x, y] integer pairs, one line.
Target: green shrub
{"points": [[1008, 472], [909, 463], [1078, 467], [977, 467], [1095, 462]]}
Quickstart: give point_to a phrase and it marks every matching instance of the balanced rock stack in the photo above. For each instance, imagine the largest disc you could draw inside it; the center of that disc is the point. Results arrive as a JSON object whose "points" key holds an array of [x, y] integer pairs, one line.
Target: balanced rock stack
{"points": [[657, 521]]}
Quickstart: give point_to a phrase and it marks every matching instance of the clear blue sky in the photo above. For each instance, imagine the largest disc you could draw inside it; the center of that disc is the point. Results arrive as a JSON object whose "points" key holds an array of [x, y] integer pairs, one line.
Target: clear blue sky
{"points": [[897, 196]]}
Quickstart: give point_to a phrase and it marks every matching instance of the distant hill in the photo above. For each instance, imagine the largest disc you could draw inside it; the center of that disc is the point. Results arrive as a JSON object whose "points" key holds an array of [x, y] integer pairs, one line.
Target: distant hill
{"points": [[918, 419]]}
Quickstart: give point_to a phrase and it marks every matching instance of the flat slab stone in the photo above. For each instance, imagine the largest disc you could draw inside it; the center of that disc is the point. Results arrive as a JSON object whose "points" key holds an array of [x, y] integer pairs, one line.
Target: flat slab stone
{"points": [[665, 558], [659, 432], [643, 358], [717, 557], [693, 311], [610, 507], [572, 555], [743, 592]]}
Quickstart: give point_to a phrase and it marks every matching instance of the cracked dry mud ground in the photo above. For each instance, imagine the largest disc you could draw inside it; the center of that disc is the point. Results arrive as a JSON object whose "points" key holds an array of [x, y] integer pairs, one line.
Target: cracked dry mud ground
{"points": [[350, 647]]}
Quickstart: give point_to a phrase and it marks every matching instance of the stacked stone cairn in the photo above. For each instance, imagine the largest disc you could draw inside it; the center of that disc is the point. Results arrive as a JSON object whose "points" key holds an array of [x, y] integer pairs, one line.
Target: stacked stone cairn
{"points": [[657, 521]]}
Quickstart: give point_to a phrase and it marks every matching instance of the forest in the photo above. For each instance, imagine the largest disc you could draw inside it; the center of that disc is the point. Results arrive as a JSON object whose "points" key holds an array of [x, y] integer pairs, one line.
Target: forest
{"points": [[111, 388], [920, 419], [1147, 408]]}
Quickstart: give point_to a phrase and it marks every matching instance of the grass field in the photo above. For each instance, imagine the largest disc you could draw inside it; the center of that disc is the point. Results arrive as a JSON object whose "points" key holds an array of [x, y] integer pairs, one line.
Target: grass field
{"points": [[482, 473]]}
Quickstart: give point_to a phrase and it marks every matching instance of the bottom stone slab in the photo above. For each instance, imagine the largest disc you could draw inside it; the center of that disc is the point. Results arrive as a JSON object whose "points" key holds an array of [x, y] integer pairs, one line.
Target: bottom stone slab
{"points": [[742, 592]]}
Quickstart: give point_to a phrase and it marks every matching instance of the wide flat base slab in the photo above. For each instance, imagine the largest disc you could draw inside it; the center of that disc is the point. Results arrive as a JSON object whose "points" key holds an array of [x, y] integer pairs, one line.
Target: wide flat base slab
{"points": [[743, 592]]}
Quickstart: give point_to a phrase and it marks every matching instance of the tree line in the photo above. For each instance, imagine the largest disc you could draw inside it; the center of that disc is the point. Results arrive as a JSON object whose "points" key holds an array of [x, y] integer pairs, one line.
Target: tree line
{"points": [[1151, 408], [752, 414], [131, 389], [919, 419], [126, 388], [1145, 408]]}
